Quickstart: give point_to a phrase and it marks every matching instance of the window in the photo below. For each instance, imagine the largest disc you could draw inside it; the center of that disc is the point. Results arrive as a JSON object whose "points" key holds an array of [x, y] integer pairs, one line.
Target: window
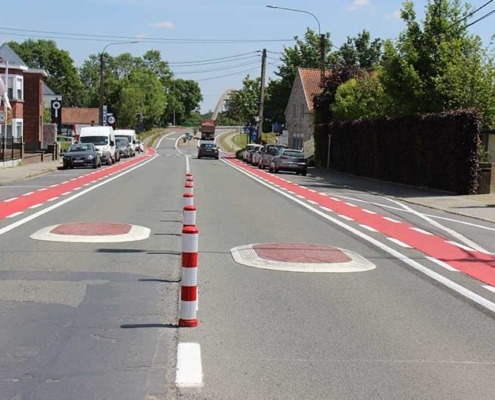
{"points": [[19, 83], [15, 86], [302, 111], [18, 126]]}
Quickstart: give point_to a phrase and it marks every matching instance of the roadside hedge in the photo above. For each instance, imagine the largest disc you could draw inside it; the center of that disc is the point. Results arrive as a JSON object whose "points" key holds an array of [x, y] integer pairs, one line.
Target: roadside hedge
{"points": [[439, 151]]}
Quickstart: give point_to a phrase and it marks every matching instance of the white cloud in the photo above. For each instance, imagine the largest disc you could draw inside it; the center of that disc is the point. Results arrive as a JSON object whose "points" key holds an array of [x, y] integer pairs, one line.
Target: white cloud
{"points": [[163, 25], [356, 4], [394, 15]]}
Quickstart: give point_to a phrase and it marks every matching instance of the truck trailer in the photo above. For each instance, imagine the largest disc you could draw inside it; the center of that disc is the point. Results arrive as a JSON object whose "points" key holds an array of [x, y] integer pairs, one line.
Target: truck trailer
{"points": [[208, 129]]}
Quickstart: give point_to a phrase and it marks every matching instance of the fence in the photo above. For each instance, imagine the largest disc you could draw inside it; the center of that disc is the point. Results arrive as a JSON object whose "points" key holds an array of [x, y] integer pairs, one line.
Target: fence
{"points": [[10, 149]]}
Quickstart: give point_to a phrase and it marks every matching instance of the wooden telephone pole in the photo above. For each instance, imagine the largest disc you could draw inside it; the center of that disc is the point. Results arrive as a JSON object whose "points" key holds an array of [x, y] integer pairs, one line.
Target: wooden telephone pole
{"points": [[262, 95]]}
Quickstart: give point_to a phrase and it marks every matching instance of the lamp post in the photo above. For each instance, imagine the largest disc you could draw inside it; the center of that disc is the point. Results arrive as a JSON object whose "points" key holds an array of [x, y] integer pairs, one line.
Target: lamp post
{"points": [[102, 78], [321, 36]]}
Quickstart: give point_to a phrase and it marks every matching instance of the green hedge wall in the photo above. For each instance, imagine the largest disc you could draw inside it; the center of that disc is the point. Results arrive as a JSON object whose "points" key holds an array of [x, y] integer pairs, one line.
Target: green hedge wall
{"points": [[431, 150]]}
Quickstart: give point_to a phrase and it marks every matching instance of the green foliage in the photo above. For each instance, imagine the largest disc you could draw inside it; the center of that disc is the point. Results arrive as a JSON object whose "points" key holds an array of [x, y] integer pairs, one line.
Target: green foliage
{"points": [[359, 51], [438, 66], [243, 104], [63, 76]]}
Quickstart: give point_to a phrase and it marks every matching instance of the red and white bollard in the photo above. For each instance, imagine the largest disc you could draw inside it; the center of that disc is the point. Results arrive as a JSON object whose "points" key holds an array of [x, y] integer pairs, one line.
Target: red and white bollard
{"points": [[187, 199], [188, 187], [189, 278], [189, 215], [188, 173], [190, 179]]}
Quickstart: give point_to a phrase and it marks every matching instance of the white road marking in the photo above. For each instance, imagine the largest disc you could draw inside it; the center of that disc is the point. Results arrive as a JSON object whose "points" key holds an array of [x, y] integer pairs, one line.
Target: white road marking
{"points": [[394, 253], [36, 205], [9, 200], [351, 205], [461, 246], [189, 369], [27, 194], [53, 198], [400, 243], [313, 202], [392, 220], [442, 264], [422, 231], [371, 229], [14, 215], [368, 211], [326, 209], [345, 217], [489, 287]]}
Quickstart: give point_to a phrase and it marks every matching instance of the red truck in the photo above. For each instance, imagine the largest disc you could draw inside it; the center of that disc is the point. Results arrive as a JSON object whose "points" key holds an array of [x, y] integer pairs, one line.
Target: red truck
{"points": [[208, 129]]}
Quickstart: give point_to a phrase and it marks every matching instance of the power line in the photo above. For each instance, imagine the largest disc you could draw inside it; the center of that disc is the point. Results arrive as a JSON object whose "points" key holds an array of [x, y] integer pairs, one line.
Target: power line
{"points": [[211, 61], [86, 36], [480, 19], [472, 13], [232, 74], [217, 69]]}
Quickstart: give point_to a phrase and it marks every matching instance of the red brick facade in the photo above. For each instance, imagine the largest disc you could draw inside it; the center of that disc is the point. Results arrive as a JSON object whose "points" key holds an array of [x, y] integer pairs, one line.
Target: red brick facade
{"points": [[33, 111]]}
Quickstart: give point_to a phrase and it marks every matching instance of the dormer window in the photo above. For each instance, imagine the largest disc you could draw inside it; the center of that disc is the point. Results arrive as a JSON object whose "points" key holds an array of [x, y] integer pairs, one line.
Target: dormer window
{"points": [[16, 87]]}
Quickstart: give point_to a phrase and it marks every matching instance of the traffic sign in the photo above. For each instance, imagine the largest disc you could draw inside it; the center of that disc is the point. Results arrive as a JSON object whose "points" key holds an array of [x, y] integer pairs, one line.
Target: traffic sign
{"points": [[56, 106], [111, 120]]}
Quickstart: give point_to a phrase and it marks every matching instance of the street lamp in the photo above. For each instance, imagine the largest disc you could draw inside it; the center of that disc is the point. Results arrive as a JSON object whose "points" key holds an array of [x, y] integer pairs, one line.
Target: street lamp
{"points": [[102, 77], [322, 37]]}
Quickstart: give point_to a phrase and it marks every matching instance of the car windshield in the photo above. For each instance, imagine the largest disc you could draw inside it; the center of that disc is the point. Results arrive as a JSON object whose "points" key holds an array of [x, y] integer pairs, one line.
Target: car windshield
{"points": [[122, 141], [208, 146], [295, 154], [80, 147], [96, 140]]}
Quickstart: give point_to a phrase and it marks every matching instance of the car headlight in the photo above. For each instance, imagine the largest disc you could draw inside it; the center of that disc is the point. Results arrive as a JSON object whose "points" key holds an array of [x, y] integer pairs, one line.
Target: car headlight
{"points": [[90, 157]]}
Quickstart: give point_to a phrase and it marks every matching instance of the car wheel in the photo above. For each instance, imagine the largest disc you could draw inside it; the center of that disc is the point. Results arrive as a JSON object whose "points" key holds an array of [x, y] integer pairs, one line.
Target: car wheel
{"points": [[95, 165]]}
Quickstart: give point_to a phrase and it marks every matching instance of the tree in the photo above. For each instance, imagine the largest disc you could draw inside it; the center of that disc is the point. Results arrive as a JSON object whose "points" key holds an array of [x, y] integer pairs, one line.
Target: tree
{"points": [[359, 51], [438, 66], [184, 98], [63, 76], [243, 105]]}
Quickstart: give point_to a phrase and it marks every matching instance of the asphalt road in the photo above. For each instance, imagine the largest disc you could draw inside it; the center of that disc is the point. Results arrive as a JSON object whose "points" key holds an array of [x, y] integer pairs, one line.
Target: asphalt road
{"points": [[99, 320]]}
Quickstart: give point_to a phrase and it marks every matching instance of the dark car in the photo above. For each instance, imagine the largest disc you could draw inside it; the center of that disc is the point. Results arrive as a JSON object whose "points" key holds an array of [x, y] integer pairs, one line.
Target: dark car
{"points": [[289, 160], [82, 155], [123, 146], [208, 150]]}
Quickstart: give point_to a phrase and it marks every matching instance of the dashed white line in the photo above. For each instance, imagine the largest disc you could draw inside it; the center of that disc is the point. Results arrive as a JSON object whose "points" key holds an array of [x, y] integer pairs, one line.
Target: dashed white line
{"points": [[28, 194], [490, 288], [14, 215], [189, 368], [345, 217], [335, 199], [326, 209], [42, 189], [53, 198], [392, 220], [66, 193], [368, 211], [461, 246], [402, 244], [422, 231], [442, 264], [9, 200], [36, 205], [351, 205], [312, 202], [371, 229]]}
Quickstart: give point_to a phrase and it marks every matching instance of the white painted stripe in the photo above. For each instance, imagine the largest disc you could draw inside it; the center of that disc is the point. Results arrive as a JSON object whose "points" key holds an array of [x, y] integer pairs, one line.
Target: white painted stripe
{"points": [[52, 186], [368, 228], [442, 264], [345, 217], [368, 211], [392, 220], [64, 182], [28, 193], [14, 215], [87, 184], [9, 200], [422, 231], [335, 199], [189, 276], [42, 189], [36, 205], [189, 368], [461, 246], [53, 198], [313, 202], [490, 288], [397, 241], [326, 209], [351, 205], [66, 193], [312, 190]]}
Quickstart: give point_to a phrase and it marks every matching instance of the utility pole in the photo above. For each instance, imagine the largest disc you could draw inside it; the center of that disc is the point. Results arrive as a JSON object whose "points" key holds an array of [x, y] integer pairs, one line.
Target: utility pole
{"points": [[262, 95], [322, 58]]}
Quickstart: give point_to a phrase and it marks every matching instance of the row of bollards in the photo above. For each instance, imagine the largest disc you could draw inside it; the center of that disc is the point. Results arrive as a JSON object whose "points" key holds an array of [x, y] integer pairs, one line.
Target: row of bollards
{"points": [[189, 270]]}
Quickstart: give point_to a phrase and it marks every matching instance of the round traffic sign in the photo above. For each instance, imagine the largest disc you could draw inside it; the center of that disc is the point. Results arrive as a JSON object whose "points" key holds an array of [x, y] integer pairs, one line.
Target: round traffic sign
{"points": [[111, 119]]}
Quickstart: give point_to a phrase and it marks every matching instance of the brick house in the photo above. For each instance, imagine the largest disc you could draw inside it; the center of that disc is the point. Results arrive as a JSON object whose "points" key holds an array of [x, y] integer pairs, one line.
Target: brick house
{"points": [[299, 113], [25, 91]]}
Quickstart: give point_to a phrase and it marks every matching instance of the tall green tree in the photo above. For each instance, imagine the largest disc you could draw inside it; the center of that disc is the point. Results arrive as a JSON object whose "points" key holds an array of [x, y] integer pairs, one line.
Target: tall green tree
{"points": [[360, 52], [437, 65], [243, 105], [63, 76]]}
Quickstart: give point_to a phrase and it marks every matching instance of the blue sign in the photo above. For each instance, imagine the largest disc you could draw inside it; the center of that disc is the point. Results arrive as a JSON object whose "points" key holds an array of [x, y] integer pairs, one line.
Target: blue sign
{"points": [[105, 115]]}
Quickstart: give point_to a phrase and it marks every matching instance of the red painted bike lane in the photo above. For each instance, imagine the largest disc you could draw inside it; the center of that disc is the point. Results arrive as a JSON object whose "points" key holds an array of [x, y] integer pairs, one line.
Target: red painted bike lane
{"points": [[37, 198], [471, 262]]}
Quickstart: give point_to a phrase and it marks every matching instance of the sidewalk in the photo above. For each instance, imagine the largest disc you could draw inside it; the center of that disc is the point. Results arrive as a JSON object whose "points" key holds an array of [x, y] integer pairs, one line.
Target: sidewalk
{"points": [[481, 207]]}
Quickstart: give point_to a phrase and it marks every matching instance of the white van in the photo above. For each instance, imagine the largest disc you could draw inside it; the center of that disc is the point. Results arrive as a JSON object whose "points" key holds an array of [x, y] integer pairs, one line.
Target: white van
{"points": [[104, 140], [130, 135]]}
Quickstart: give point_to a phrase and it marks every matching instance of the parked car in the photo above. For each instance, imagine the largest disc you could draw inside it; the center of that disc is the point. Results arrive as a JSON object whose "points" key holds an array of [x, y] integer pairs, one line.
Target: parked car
{"points": [[255, 159], [82, 155], [271, 150], [247, 151], [208, 149], [289, 160], [139, 146], [123, 146]]}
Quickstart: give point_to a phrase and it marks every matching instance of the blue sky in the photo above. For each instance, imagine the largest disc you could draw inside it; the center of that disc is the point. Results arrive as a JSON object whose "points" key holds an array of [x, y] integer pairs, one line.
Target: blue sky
{"points": [[214, 30]]}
